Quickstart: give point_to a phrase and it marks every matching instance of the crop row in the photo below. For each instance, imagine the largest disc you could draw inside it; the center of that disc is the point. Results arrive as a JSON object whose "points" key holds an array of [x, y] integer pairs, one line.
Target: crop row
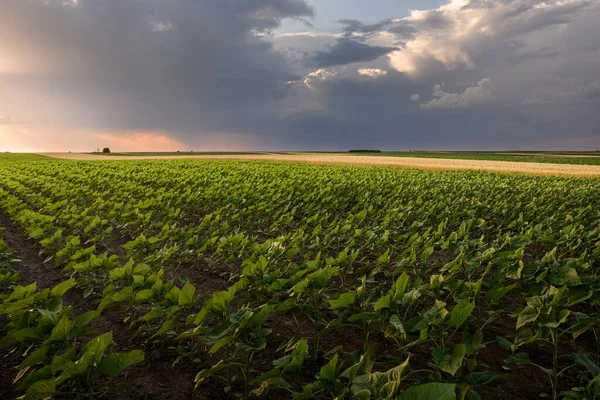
{"points": [[545, 158], [331, 282], [55, 352]]}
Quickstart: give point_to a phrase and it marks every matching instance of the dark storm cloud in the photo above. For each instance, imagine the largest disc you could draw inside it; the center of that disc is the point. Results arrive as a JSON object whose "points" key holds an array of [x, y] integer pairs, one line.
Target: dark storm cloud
{"points": [[378, 114], [181, 65], [353, 26], [520, 9], [546, 52], [513, 45], [403, 30], [592, 91], [506, 78], [194, 69], [531, 20], [347, 51]]}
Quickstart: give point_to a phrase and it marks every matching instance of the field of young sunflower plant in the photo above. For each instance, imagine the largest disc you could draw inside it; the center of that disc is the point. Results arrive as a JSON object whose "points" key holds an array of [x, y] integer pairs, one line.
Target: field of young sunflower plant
{"points": [[248, 279]]}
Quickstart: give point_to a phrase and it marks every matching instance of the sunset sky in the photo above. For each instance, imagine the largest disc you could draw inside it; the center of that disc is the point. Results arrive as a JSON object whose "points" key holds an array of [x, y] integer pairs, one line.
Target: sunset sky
{"points": [[161, 75]]}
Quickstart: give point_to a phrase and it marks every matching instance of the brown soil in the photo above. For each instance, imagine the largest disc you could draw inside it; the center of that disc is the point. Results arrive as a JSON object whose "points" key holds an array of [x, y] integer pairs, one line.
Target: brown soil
{"points": [[31, 269]]}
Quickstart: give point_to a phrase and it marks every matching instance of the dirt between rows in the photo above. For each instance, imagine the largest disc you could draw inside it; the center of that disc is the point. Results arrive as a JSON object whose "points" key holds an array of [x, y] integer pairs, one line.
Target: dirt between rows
{"points": [[531, 168]]}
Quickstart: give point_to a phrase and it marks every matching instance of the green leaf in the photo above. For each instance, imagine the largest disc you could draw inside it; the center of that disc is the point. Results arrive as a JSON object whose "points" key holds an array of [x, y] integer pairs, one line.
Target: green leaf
{"points": [[333, 324], [62, 288], [344, 301], [365, 363], [504, 344], [62, 330], [520, 359], [561, 317], [35, 357], [529, 314], [41, 390], [427, 253], [79, 367], [497, 294], [186, 296], [580, 327], [97, 346], [28, 333], [329, 372], [472, 341], [460, 313], [207, 373], [156, 312], [86, 318], [472, 395], [430, 391], [220, 343], [35, 376], [294, 361], [579, 294], [384, 258], [173, 295], [362, 317], [48, 319], [481, 378], [144, 295], [62, 361], [383, 302], [581, 358], [450, 363], [400, 286], [167, 326], [115, 363], [397, 323], [272, 383]]}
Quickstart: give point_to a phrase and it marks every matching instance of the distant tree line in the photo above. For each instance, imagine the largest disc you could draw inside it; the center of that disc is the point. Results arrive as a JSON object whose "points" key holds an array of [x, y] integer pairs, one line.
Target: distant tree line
{"points": [[364, 151]]}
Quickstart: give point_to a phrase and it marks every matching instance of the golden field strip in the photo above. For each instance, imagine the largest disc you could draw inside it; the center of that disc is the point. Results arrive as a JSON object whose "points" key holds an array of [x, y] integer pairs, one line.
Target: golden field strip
{"points": [[347, 159]]}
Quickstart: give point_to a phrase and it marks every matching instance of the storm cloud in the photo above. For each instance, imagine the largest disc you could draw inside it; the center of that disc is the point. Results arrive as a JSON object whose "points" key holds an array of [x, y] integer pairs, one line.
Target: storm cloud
{"points": [[469, 74], [347, 51]]}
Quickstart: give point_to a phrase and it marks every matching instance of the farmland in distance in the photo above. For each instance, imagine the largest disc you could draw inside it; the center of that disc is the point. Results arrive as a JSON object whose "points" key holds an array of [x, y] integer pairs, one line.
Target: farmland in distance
{"points": [[253, 279], [583, 165]]}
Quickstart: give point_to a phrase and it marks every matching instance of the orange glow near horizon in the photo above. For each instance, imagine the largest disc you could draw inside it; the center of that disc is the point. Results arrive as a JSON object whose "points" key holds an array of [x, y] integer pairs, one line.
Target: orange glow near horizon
{"points": [[142, 142], [23, 138], [20, 138]]}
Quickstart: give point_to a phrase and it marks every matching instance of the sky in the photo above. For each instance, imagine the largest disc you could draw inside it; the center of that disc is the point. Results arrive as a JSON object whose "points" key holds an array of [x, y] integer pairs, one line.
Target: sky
{"points": [[233, 75]]}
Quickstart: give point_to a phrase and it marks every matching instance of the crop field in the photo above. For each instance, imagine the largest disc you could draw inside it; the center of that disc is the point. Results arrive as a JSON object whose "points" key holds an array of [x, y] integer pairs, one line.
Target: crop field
{"points": [[218, 279], [363, 159], [576, 158]]}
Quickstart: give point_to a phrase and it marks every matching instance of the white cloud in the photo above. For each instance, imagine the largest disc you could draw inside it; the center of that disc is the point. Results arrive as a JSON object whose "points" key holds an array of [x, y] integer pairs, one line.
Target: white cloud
{"points": [[372, 72], [318, 76], [161, 26], [455, 34], [416, 97], [481, 93], [70, 3]]}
